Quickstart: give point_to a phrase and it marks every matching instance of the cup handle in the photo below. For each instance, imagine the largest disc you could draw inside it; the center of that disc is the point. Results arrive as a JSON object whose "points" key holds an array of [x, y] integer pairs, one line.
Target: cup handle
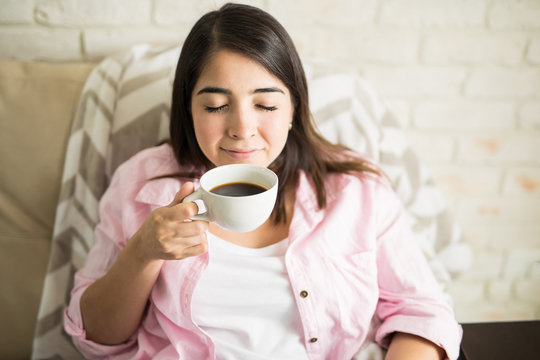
{"points": [[197, 195]]}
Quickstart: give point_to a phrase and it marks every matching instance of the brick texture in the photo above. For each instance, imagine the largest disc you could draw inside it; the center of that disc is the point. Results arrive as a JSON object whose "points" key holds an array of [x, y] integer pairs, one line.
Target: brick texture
{"points": [[101, 42], [459, 13], [503, 83], [533, 53], [529, 115], [40, 43], [416, 81], [474, 47], [16, 11], [93, 12], [465, 115], [462, 76], [508, 14]]}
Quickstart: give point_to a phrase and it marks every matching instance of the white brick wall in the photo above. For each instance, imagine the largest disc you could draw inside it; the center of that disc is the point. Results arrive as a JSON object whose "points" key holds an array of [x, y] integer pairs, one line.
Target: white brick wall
{"points": [[82, 13], [533, 53], [508, 14], [503, 83], [473, 46], [429, 13], [463, 76], [529, 115], [16, 11]]}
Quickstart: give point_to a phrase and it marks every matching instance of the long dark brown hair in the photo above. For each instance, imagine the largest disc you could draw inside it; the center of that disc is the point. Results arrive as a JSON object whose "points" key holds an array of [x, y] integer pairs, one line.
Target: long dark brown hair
{"points": [[257, 35]]}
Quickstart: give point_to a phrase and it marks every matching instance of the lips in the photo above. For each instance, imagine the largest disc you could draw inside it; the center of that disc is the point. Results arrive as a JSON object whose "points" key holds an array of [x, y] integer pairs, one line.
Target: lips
{"points": [[241, 154]]}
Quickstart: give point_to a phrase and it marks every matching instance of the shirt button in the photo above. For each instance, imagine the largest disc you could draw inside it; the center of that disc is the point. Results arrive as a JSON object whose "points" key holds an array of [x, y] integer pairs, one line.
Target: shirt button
{"points": [[313, 340], [304, 293]]}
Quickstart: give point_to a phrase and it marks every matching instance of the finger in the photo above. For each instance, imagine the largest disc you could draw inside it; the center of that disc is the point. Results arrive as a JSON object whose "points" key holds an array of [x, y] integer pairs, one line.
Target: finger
{"points": [[173, 215], [180, 212], [195, 250], [189, 229], [183, 247], [184, 191]]}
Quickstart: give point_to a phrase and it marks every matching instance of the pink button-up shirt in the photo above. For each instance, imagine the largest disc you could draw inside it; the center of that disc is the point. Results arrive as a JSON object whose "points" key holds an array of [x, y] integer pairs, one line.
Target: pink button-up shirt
{"points": [[355, 270]]}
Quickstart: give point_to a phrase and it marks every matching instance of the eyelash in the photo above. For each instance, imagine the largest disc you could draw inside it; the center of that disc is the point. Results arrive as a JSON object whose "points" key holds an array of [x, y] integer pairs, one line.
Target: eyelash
{"points": [[214, 109], [217, 109], [266, 108]]}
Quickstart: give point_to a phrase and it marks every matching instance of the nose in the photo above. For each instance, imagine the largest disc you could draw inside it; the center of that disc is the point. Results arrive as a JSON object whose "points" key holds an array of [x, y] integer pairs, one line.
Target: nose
{"points": [[242, 123]]}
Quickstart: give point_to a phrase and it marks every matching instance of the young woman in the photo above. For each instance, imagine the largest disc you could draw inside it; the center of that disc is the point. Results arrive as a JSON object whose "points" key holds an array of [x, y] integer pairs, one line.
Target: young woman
{"points": [[335, 265]]}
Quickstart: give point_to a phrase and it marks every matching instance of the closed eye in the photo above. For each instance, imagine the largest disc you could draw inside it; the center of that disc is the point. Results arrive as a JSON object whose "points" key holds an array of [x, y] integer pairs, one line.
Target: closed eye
{"points": [[216, 109], [266, 108]]}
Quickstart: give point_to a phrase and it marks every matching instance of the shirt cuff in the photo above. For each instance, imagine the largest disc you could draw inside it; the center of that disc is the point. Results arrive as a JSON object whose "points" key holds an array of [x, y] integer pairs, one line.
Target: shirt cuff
{"points": [[73, 325], [446, 335]]}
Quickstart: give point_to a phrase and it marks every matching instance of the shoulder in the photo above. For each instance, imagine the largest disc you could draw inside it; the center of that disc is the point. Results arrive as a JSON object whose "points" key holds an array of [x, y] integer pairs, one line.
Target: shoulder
{"points": [[353, 170], [343, 184], [147, 164], [120, 200], [132, 175], [366, 192]]}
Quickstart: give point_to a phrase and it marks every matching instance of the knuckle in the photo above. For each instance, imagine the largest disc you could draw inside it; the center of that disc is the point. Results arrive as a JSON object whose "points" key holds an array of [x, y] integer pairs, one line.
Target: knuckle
{"points": [[181, 254], [191, 209], [200, 226], [162, 236], [168, 256], [204, 247], [158, 217]]}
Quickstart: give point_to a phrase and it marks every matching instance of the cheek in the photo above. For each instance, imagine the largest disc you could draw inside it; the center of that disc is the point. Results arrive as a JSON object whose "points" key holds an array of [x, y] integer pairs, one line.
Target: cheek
{"points": [[205, 133], [279, 130]]}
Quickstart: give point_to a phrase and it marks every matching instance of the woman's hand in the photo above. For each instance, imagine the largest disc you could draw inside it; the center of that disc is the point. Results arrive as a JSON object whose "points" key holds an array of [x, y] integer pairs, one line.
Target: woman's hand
{"points": [[113, 306], [168, 234]]}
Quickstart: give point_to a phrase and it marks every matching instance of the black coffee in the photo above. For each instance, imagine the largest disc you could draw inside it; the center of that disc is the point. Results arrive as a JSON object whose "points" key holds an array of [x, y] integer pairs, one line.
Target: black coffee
{"points": [[238, 189]]}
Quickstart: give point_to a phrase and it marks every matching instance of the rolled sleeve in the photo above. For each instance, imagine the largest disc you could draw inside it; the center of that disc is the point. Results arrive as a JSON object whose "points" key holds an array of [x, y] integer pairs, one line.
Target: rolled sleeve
{"points": [[122, 209], [99, 261], [410, 300], [74, 326], [108, 237]]}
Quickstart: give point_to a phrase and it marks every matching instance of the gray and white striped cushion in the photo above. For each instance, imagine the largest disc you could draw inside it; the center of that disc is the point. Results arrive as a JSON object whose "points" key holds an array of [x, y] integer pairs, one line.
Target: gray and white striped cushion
{"points": [[124, 107]]}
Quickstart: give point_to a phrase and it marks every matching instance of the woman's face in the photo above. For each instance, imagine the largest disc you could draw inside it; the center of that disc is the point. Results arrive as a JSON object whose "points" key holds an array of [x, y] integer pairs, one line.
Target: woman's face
{"points": [[241, 112]]}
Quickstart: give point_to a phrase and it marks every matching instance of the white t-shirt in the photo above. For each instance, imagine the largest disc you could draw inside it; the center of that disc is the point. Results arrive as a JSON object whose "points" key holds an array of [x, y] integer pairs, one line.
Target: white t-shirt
{"points": [[244, 302]]}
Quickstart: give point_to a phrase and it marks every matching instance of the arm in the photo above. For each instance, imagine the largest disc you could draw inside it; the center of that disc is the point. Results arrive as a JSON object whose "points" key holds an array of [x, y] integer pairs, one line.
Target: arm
{"points": [[406, 346], [113, 306], [410, 299]]}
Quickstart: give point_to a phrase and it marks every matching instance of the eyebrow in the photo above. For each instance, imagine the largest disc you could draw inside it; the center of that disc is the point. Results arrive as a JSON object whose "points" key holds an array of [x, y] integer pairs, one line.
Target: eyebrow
{"points": [[218, 90], [268, 90], [214, 90]]}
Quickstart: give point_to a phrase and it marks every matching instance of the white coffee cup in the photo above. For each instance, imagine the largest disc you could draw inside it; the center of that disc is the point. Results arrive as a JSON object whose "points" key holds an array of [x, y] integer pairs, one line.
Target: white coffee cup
{"points": [[238, 213]]}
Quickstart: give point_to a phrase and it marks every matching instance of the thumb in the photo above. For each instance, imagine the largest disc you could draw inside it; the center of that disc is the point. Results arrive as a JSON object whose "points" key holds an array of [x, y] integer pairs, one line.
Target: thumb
{"points": [[184, 191]]}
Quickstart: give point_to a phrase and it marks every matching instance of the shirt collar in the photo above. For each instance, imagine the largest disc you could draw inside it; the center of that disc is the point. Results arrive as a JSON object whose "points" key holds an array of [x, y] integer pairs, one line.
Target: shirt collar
{"points": [[306, 208], [161, 192]]}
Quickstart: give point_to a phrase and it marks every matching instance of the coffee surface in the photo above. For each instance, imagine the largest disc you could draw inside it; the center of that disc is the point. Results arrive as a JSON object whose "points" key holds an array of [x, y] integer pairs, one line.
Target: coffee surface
{"points": [[238, 189]]}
